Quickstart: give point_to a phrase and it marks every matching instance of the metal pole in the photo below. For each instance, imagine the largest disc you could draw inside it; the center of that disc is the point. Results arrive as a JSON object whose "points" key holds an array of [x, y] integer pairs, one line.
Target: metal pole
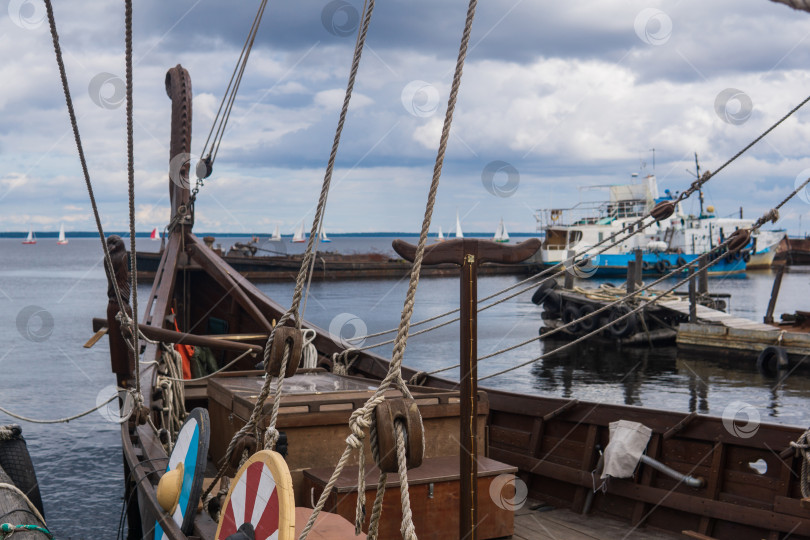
{"points": [[692, 295]]}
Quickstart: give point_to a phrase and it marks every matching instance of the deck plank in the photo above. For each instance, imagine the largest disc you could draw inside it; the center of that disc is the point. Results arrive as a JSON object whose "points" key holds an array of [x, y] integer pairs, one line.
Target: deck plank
{"points": [[563, 523]]}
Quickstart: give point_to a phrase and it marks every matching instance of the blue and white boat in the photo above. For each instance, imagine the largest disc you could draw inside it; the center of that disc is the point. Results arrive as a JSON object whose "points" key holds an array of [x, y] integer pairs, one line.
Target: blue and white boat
{"points": [[671, 242]]}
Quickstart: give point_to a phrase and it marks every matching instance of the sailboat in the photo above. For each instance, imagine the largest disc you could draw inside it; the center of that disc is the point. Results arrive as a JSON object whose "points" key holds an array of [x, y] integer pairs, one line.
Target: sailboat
{"points": [[500, 234], [276, 235], [459, 234], [31, 238], [155, 235], [440, 238], [323, 237], [62, 240], [299, 236]]}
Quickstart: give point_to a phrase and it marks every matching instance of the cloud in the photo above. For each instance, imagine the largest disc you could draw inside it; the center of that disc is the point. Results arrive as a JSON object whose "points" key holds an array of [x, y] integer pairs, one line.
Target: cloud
{"points": [[570, 94]]}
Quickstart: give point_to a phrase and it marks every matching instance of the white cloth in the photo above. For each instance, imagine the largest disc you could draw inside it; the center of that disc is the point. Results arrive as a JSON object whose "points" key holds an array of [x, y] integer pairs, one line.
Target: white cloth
{"points": [[628, 440]]}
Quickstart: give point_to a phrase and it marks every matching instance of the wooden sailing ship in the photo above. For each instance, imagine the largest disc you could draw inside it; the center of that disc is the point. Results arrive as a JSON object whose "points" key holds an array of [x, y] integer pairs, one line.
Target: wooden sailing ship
{"points": [[745, 480]]}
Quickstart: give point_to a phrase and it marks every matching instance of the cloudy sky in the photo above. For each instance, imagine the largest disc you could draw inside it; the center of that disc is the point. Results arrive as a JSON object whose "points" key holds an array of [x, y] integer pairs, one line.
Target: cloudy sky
{"points": [[563, 95]]}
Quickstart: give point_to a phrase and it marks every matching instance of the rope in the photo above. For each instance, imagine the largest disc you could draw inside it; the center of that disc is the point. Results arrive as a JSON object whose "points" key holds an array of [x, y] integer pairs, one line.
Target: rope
{"points": [[7, 529], [9, 432], [227, 102], [15, 489], [634, 227], [293, 311], [68, 418], [220, 370], [75, 126], [394, 375], [407, 529], [133, 269], [310, 355], [803, 5], [802, 445]]}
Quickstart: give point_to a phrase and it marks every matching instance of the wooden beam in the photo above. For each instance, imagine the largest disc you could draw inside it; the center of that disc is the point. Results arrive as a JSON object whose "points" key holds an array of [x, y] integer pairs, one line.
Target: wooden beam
{"points": [[222, 273]]}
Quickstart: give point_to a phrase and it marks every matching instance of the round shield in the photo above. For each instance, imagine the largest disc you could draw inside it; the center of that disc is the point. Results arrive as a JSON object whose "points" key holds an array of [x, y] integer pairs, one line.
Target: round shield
{"points": [[261, 494], [191, 449]]}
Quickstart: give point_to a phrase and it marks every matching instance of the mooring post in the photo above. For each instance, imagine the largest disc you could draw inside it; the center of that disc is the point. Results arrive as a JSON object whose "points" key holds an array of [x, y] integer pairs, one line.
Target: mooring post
{"points": [[568, 283], [469, 253], [639, 266], [777, 284], [631, 277], [692, 295], [703, 275]]}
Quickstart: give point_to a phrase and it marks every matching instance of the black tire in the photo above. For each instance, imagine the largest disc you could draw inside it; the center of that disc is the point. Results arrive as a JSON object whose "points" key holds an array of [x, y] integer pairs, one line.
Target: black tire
{"points": [[543, 290], [737, 256], [746, 255], [662, 266], [624, 327], [571, 313], [553, 304], [729, 258], [681, 261], [645, 266], [15, 460], [587, 325], [771, 360]]}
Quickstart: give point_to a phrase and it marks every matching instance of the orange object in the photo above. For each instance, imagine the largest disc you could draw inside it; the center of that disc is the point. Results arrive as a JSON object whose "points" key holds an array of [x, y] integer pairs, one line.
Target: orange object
{"points": [[186, 352]]}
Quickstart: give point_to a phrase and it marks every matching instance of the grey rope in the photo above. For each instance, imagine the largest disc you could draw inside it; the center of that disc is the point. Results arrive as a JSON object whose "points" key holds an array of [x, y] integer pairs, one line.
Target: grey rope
{"points": [[768, 216], [66, 419], [394, 375], [292, 313], [133, 268], [632, 227]]}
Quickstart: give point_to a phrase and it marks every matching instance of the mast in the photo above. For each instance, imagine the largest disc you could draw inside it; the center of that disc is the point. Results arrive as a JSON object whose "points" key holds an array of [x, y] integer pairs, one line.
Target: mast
{"points": [[700, 190]]}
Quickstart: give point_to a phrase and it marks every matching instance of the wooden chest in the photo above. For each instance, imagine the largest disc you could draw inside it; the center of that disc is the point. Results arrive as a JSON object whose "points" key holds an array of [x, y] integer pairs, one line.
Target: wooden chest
{"points": [[434, 495], [314, 415]]}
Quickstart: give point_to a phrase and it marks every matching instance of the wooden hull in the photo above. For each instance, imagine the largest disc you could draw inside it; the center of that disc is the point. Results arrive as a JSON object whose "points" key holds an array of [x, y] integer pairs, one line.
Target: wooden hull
{"points": [[554, 442], [286, 268]]}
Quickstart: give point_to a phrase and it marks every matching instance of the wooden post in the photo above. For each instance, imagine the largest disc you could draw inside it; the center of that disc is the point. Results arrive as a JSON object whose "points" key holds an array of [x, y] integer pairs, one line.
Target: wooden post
{"points": [[692, 295], [777, 284], [639, 266], [631, 277], [569, 273], [469, 253], [703, 275]]}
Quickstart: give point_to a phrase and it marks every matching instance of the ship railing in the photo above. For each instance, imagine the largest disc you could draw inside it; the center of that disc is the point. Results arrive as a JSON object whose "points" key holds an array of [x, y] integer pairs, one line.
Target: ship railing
{"points": [[591, 213]]}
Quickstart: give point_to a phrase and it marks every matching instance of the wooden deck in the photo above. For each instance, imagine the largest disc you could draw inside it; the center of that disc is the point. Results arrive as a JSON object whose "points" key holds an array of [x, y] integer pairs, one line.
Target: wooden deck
{"points": [[716, 317], [558, 524]]}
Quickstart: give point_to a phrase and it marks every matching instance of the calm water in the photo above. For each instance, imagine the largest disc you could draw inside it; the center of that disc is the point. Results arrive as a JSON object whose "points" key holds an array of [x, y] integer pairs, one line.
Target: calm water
{"points": [[46, 373]]}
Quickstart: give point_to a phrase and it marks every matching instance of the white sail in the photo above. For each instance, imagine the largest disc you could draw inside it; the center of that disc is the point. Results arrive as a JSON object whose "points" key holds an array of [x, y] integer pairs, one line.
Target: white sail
{"points": [[459, 234], [500, 234], [323, 236], [30, 239], [276, 234], [441, 236], [62, 240], [299, 235]]}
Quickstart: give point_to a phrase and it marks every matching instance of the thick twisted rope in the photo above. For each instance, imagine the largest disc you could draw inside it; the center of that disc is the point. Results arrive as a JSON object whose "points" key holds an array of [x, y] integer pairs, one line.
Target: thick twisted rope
{"points": [[803, 5], [802, 445], [293, 312], [133, 269], [68, 418], [394, 375], [770, 215]]}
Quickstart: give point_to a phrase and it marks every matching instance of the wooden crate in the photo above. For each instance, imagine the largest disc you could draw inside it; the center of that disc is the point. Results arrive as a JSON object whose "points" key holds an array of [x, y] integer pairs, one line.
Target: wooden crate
{"points": [[315, 412], [434, 495]]}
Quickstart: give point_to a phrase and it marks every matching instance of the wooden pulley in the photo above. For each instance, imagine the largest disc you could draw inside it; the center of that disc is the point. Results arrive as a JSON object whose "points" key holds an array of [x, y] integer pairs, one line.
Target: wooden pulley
{"points": [[739, 239], [663, 210], [285, 335], [244, 442], [386, 415]]}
